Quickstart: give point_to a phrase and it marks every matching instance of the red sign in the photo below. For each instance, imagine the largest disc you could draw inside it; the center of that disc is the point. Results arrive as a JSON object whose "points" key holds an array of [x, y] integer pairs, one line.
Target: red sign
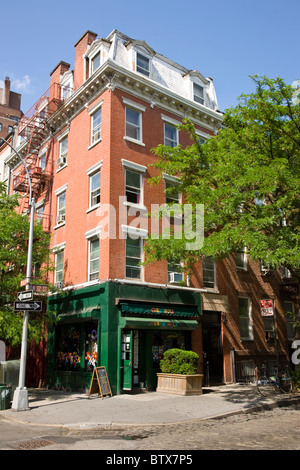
{"points": [[38, 289], [266, 307]]}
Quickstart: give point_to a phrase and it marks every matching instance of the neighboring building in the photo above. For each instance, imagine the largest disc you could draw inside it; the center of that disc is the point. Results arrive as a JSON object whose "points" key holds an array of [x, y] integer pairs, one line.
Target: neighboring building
{"points": [[88, 144], [10, 109]]}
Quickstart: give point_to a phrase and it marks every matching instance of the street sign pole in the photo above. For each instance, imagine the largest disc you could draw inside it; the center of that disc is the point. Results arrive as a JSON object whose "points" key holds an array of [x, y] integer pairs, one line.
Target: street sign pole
{"points": [[20, 399]]}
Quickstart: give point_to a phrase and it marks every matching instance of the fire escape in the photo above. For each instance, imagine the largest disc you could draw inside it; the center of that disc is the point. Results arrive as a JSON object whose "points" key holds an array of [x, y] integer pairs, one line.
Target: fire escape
{"points": [[33, 127]]}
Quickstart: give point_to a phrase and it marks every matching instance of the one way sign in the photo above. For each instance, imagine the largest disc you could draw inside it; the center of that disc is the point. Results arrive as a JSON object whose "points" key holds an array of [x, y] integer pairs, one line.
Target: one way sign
{"points": [[28, 306], [25, 295]]}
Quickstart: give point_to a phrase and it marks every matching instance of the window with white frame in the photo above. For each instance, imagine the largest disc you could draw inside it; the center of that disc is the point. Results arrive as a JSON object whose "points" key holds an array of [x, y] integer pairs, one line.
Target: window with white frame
{"points": [[172, 193], [95, 189], [198, 93], [95, 62], [142, 64], [96, 126], [133, 257], [93, 258], [133, 186], [133, 182], [241, 258], [246, 330], [61, 204], [208, 272], [133, 123], [40, 214], [289, 310], [59, 267], [170, 135], [63, 148]]}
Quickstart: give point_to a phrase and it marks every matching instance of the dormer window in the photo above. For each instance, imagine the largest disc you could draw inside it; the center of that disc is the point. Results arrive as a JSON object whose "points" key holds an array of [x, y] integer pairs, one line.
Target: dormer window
{"points": [[142, 64], [95, 62], [198, 93]]}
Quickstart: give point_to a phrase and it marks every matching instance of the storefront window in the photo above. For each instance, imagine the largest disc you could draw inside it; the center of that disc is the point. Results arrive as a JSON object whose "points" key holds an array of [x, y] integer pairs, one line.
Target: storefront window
{"points": [[77, 347], [161, 341], [68, 348], [91, 350]]}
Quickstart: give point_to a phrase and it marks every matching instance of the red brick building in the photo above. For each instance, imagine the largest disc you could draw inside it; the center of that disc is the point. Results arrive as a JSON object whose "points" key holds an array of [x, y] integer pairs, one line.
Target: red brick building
{"points": [[88, 143]]}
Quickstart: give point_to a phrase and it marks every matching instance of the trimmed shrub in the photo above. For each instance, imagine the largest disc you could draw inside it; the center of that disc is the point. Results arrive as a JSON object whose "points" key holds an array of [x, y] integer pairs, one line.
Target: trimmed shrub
{"points": [[179, 361]]}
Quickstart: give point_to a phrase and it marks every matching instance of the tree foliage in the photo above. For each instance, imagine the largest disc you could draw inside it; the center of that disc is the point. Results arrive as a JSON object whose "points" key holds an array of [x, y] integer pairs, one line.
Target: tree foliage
{"points": [[14, 231], [247, 176]]}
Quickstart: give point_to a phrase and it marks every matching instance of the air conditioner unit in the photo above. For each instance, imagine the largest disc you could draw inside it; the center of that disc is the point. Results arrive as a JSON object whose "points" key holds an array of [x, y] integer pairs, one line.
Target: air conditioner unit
{"points": [[266, 269], [59, 285], [175, 278], [61, 161], [60, 218]]}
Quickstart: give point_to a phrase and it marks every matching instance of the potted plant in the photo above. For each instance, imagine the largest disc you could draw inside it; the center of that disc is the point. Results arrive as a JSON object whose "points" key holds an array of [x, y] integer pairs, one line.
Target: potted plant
{"points": [[179, 373]]}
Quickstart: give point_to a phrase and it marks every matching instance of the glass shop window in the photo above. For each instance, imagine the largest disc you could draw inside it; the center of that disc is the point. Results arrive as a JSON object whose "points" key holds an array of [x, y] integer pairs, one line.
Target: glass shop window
{"points": [[161, 341], [68, 348], [91, 347]]}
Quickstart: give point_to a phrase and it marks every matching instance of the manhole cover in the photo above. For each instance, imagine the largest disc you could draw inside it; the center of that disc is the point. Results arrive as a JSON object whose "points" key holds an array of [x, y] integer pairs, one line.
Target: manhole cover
{"points": [[34, 444]]}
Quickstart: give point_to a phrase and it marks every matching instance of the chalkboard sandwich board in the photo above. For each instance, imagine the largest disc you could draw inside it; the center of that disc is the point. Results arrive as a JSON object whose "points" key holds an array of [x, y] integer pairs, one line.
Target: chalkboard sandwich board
{"points": [[100, 383]]}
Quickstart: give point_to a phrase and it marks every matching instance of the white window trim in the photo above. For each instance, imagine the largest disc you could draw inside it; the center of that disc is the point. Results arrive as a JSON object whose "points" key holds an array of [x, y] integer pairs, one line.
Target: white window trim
{"points": [[136, 233], [58, 192], [214, 288], [250, 337], [245, 261], [90, 172], [91, 112], [136, 52], [131, 166], [95, 232], [140, 109], [171, 122], [58, 249], [91, 235]]}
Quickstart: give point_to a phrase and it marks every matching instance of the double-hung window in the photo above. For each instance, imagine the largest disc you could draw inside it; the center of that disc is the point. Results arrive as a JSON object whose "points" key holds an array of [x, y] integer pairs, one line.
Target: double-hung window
{"points": [[61, 204], [171, 135], [198, 93], [241, 258], [64, 148], [95, 189], [133, 257], [92, 237], [208, 272], [142, 64], [133, 182], [133, 186], [132, 123], [172, 193], [96, 126], [95, 62], [93, 259], [174, 272], [59, 264], [246, 331]]}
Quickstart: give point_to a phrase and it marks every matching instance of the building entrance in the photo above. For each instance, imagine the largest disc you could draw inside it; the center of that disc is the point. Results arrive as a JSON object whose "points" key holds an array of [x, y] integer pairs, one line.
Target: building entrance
{"points": [[212, 348]]}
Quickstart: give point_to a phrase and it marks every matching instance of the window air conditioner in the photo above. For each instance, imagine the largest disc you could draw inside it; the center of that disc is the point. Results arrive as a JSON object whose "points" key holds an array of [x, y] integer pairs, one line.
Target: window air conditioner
{"points": [[266, 269], [60, 218], [61, 161], [59, 285], [175, 278]]}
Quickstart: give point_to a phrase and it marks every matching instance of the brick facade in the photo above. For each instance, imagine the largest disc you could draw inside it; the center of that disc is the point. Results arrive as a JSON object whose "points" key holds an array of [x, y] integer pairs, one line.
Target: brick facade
{"points": [[165, 96]]}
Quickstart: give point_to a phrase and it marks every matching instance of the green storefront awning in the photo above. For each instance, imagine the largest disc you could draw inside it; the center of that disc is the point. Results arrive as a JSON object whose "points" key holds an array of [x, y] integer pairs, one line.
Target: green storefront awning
{"points": [[157, 323], [159, 310]]}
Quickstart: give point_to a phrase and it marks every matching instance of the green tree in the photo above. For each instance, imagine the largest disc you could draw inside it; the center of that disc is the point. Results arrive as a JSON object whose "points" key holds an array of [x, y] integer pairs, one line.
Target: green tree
{"points": [[247, 176], [14, 231]]}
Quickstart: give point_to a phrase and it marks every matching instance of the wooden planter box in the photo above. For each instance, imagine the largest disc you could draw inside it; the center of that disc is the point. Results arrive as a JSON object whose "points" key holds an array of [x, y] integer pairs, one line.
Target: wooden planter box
{"points": [[179, 384]]}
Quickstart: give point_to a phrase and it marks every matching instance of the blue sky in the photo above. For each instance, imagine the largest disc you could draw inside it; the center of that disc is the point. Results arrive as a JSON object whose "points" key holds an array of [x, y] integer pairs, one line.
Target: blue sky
{"points": [[226, 40]]}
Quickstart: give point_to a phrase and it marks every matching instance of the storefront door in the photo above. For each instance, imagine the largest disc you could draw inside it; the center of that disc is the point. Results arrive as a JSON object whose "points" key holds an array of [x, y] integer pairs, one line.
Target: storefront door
{"points": [[212, 349], [126, 360]]}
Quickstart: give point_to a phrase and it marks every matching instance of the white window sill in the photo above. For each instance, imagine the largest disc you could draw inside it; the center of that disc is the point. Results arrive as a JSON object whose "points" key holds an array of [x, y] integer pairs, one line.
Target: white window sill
{"points": [[61, 168], [139, 207], [90, 209], [134, 141], [59, 225], [95, 143]]}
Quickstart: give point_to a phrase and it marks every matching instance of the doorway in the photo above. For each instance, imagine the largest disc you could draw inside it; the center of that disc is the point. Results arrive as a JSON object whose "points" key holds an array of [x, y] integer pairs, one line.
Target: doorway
{"points": [[212, 348]]}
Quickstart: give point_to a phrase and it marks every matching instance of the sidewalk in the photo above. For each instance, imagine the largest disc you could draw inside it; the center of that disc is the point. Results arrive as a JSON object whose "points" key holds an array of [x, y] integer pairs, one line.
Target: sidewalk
{"points": [[76, 410]]}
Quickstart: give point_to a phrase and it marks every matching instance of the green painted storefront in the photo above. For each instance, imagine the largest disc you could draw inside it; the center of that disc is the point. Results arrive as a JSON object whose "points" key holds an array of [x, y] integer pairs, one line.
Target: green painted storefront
{"points": [[124, 327]]}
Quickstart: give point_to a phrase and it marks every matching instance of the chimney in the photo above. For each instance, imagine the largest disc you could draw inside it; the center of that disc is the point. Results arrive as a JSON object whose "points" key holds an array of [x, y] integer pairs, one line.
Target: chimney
{"points": [[6, 92]]}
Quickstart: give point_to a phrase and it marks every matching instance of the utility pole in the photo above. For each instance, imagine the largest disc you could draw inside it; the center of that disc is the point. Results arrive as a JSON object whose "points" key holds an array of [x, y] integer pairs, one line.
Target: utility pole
{"points": [[20, 398]]}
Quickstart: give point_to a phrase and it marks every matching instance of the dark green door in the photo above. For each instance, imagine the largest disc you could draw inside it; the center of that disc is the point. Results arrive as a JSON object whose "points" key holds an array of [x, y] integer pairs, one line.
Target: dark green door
{"points": [[126, 360]]}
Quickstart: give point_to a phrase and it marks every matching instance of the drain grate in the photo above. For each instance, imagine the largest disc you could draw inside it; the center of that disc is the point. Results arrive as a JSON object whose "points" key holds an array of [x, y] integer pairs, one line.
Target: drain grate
{"points": [[34, 444]]}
